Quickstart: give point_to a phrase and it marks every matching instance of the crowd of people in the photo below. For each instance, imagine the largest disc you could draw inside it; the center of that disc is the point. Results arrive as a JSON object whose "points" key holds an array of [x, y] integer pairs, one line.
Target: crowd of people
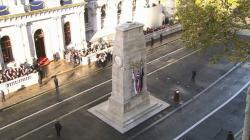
{"points": [[103, 58], [75, 56], [13, 73], [151, 30]]}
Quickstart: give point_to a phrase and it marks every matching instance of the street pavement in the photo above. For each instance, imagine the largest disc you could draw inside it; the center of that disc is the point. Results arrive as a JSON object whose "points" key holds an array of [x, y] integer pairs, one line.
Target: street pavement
{"points": [[199, 107], [167, 71], [229, 118]]}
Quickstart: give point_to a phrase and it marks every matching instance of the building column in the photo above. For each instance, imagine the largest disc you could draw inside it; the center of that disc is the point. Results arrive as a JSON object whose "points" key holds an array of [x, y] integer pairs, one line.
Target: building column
{"points": [[16, 7], [111, 15], [1, 56], [25, 42], [59, 35], [98, 19], [26, 2], [82, 43], [170, 7], [126, 13], [92, 6]]}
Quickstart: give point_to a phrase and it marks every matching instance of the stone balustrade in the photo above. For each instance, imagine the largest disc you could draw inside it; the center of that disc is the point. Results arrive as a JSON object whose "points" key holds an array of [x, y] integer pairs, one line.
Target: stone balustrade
{"points": [[19, 83], [164, 32]]}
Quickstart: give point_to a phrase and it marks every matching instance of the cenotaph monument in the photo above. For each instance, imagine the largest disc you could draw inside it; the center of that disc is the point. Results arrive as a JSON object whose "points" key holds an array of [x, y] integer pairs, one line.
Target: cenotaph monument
{"points": [[130, 103]]}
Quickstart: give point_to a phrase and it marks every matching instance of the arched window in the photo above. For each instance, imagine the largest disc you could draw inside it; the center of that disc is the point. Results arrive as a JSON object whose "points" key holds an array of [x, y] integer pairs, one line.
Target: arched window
{"points": [[6, 49], [67, 34], [103, 15], [119, 11], [86, 19]]}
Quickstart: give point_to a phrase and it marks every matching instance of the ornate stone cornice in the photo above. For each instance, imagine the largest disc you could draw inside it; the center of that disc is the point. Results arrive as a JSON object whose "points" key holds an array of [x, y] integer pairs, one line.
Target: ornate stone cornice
{"points": [[7, 17]]}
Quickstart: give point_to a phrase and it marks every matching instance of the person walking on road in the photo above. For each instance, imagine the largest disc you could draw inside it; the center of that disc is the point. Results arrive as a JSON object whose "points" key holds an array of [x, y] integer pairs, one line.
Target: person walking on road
{"points": [[40, 77], [57, 88], [193, 75], [58, 128], [56, 82], [3, 96], [89, 62]]}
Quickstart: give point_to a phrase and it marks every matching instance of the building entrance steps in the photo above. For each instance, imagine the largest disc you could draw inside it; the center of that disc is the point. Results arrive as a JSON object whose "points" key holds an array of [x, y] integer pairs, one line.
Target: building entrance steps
{"points": [[208, 101]]}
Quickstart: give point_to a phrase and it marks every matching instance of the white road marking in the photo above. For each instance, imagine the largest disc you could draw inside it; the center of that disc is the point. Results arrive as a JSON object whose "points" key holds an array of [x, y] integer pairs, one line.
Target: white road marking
{"points": [[53, 105], [211, 113], [63, 116], [239, 133], [184, 104], [174, 62], [166, 55]]}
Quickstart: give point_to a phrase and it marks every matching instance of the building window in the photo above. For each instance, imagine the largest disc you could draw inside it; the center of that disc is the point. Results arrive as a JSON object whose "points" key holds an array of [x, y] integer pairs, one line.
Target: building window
{"points": [[67, 34], [6, 49]]}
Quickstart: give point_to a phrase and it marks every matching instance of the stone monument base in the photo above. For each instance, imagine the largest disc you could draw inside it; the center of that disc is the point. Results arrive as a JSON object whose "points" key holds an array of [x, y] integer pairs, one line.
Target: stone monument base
{"points": [[130, 119]]}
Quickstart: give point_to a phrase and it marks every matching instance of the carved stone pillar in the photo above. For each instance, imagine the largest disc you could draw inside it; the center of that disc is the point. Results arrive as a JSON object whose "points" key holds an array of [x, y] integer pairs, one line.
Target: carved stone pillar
{"points": [[130, 103], [170, 7], [25, 42], [59, 35], [83, 43], [111, 17], [98, 19]]}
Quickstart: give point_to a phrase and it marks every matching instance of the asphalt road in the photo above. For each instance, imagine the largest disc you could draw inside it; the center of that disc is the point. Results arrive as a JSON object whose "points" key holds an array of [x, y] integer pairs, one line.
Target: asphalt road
{"points": [[216, 127], [169, 67]]}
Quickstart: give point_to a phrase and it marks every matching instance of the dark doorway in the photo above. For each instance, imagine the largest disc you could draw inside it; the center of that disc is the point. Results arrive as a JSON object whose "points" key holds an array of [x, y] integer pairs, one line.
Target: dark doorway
{"points": [[39, 44], [6, 49], [67, 34]]}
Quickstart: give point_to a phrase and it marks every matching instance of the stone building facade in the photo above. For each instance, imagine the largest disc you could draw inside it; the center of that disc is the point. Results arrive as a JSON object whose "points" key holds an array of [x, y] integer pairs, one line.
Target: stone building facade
{"points": [[39, 29]]}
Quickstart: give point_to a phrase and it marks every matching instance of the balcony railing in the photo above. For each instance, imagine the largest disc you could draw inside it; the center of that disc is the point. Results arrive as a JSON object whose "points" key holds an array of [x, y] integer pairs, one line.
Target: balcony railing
{"points": [[36, 5], [4, 10], [65, 2]]}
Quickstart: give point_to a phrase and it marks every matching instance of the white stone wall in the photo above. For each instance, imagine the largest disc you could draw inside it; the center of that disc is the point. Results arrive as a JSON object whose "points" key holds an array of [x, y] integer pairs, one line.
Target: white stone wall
{"points": [[21, 32], [170, 7], [143, 15]]}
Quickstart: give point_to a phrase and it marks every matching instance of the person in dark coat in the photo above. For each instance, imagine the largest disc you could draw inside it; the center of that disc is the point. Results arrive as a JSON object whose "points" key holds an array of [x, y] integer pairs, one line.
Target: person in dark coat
{"points": [[3, 96], [40, 77], [58, 128], [56, 82], [193, 76]]}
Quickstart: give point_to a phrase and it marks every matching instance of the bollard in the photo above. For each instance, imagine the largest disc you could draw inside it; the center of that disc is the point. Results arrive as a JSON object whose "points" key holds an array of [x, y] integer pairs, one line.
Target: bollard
{"points": [[177, 96]]}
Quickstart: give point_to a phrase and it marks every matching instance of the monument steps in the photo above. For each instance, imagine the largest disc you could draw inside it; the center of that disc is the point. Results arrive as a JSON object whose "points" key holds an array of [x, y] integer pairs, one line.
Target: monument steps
{"points": [[130, 119]]}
